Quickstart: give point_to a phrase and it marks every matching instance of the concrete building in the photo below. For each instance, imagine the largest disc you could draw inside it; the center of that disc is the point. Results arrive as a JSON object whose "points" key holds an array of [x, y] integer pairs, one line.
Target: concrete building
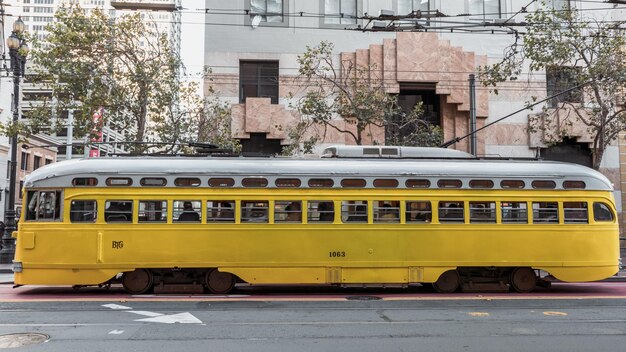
{"points": [[252, 47]]}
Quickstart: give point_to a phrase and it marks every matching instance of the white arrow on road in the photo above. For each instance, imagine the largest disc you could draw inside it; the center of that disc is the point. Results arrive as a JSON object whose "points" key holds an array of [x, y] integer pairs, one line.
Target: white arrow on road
{"points": [[183, 318], [153, 317]]}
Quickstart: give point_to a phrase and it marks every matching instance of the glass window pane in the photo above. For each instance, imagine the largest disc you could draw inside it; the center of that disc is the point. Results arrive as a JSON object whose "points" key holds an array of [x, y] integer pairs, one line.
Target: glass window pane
{"points": [[321, 211], [187, 210], [545, 212], [575, 213], [254, 211], [451, 212], [492, 8], [417, 183], [118, 211], [602, 212], [482, 212], [187, 182], [220, 210], [254, 182], [512, 184], [418, 211], [387, 211], [348, 9], [353, 182], [287, 211], [354, 211], [385, 183], [85, 181], [83, 211], [514, 212], [405, 7], [152, 211], [331, 11]]}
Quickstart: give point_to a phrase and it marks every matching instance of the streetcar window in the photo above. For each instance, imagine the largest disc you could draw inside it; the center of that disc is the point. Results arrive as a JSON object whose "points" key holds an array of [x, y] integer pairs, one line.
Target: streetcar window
{"points": [[575, 213], [413, 183], [387, 211], [353, 182], [482, 212], [418, 211], [187, 182], [44, 206], [288, 211], [541, 184], [514, 213], [287, 182], [321, 182], [254, 182], [85, 181], [512, 184], [385, 183], [481, 184], [321, 211], [354, 211], [186, 210], [221, 182], [602, 212], [254, 211], [545, 212], [118, 211], [153, 181], [152, 211], [449, 183], [451, 212], [574, 184], [83, 211], [119, 181], [220, 210]]}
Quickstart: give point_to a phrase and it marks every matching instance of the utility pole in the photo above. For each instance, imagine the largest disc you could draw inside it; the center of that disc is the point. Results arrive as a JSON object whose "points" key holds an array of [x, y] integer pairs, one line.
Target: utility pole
{"points": [[472, 103]]}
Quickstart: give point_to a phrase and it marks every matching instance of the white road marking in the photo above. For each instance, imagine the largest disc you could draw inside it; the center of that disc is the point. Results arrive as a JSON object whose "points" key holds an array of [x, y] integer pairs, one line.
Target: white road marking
{"points": [[116, 332], [153, 317], [144, 312], [116, 306], [183, 318]]}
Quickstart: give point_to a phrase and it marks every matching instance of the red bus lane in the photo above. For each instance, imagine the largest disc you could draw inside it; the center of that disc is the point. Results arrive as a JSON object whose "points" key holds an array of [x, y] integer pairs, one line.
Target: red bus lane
{"points": [[559, 290]]}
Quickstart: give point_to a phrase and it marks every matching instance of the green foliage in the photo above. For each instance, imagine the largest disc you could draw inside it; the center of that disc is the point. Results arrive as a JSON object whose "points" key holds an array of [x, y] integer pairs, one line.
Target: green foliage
{"points": [[125, 66], [342, 94], [565, 39]]}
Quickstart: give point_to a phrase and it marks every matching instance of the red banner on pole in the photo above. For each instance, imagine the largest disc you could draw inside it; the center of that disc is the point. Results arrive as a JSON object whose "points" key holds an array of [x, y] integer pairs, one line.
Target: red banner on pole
{"points": [[96, 132]]}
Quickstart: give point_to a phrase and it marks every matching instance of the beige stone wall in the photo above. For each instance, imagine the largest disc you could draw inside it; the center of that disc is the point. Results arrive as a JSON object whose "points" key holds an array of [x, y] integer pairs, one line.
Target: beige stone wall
{"points": [[411, 57]]}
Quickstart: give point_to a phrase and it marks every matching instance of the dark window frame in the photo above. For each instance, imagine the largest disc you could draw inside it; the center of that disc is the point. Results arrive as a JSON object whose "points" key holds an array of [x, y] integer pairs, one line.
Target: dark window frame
{"points": [[264, 82]]}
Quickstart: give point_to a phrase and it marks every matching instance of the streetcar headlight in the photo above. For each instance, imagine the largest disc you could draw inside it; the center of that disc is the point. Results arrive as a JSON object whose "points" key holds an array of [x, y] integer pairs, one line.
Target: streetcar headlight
{"points": [[17, 267]]}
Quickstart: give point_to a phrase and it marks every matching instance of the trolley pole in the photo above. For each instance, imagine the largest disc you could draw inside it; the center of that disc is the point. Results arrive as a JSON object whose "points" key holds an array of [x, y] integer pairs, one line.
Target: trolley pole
{"points": [[472, 97]]}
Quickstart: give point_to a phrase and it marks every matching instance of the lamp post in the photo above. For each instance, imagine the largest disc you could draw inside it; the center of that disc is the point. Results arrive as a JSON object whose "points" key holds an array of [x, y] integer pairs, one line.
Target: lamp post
{"points": [[18, 50]]}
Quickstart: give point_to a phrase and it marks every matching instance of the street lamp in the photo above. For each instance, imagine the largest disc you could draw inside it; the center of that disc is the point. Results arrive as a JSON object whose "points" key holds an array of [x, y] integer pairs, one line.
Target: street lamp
{"points": [[18, 50]]}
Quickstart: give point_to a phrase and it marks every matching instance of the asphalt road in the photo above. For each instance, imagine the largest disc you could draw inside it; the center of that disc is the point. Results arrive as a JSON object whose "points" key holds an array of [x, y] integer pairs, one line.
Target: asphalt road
{"points": [[380, 325]]}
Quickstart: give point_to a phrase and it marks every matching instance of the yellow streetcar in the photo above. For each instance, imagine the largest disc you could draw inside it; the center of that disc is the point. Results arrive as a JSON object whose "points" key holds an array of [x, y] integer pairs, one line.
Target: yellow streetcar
{"points": [[379, 217]]}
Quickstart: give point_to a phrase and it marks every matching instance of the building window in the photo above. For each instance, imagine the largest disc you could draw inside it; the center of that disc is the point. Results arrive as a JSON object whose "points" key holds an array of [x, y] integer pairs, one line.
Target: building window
{"points": [[483, 9], [560, 4], [270, 11], [258, 79], [406, 7], [340, 11], [36, 162], [562, 78], [24, 161]]}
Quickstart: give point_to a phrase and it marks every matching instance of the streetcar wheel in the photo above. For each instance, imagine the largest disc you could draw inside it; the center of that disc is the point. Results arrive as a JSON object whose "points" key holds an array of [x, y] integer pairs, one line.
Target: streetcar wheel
{"points": [[137, 282], [219, 282], [523, 280], [448, 282]]}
